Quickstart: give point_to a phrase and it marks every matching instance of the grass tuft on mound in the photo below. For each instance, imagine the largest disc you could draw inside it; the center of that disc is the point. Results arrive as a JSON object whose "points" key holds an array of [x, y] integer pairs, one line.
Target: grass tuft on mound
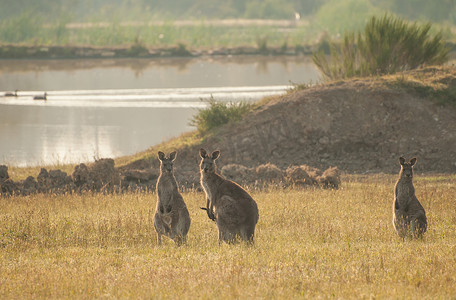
{"points": [[219, 113]]}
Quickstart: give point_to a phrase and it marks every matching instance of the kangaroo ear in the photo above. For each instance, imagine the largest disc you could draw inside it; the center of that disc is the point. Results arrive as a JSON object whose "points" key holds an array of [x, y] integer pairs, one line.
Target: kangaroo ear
{"points": [[173, 155], [215, 154], [203, 153], [401, 160], [161, 155], [413, 161]]}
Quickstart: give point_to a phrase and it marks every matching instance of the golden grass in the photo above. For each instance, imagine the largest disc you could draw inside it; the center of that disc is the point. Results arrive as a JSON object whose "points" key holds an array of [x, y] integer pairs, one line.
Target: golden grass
{"points": [[310, 243]]}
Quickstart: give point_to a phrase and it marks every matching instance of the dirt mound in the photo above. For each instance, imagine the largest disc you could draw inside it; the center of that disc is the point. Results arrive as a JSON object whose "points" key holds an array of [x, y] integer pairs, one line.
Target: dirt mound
{"points": [[360, 126]]}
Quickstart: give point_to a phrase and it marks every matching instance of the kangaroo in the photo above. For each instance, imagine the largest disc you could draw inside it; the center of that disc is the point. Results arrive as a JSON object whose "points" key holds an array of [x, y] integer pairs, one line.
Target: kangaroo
{"points": [[409, 217], [228, 204], [171, 215]]}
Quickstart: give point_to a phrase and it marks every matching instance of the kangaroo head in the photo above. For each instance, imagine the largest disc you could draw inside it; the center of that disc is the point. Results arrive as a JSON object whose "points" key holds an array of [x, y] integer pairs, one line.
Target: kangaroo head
{"points": [[208, 162], [407, 167], [166, 164]]}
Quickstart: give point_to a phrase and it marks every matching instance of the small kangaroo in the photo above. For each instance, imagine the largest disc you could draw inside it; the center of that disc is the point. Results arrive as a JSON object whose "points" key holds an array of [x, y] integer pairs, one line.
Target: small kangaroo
{"points": [[228, 204], [171, 215], [409, 217]]}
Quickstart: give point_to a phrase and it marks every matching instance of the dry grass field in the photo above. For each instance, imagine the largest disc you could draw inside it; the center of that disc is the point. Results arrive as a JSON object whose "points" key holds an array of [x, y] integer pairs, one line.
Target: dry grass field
{"points": [[310, 243]]}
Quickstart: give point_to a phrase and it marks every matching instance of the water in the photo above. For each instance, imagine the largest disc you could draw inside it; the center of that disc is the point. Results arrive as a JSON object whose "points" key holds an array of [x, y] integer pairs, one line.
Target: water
{"points": [[110, 108]]}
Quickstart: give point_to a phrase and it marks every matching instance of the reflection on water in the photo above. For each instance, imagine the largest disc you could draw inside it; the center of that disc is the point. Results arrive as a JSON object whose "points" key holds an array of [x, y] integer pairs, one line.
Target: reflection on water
{"points": [[93, 74], [109, 108], [142, 98], [33, 135]]}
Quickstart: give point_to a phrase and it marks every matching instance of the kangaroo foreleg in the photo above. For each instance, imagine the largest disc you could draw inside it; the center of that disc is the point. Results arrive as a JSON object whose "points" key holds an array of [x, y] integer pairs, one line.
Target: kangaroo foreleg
{"points": [[210, 210]]}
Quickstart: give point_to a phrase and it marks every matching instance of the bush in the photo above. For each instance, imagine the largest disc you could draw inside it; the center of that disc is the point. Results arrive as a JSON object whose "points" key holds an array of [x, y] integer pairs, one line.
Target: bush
{"points": [[387, 45], [218, 114]]}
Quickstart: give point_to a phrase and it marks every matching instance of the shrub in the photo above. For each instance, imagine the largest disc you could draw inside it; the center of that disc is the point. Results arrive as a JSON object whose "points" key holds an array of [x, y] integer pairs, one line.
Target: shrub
{"points": [[387, 45], [181, 50], [262, 44], [218, 114]]}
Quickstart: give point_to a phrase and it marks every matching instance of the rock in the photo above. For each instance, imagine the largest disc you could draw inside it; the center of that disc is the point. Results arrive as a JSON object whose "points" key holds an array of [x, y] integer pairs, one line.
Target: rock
{"points": [[8, 187], [54, 181], [3, 172], [330, 178], [298, 175], [268, 173], [239, 173], [42, 181], [103, 175], [29, 186], [81, 177]]}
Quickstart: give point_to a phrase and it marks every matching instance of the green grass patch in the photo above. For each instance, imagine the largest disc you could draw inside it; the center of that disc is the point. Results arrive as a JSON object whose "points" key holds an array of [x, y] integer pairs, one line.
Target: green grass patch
{"points": [[438, 85], [219, 113]]}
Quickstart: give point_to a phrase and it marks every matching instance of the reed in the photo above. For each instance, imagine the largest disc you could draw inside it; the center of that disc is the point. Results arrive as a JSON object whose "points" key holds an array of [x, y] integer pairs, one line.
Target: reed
{"points": [[31, 30]]}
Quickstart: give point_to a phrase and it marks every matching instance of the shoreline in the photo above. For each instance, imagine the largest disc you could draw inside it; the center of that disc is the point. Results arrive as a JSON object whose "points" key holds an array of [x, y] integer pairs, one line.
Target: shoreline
{"points": [[12, 51], [139, 51]]}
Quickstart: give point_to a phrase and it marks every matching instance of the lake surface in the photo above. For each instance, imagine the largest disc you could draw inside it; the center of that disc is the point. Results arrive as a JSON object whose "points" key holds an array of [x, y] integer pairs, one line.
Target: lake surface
{"points": [[109, 108]]}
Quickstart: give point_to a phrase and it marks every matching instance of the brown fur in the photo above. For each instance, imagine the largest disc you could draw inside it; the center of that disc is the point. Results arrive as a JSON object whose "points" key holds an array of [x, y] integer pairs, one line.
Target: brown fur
{"points": [[409, 217], [228, 204], [171, 215]]}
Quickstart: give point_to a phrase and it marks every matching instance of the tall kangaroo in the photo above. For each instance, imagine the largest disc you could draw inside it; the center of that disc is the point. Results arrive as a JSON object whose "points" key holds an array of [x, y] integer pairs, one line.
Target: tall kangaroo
{"points": [[228, 204], [171, 215], [409, 217]]}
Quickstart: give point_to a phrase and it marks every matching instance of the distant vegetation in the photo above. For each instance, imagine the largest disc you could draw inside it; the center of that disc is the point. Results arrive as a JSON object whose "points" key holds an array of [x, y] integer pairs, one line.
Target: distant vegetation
{"points": [[386, 45], [124, 22], [146, 10]]}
